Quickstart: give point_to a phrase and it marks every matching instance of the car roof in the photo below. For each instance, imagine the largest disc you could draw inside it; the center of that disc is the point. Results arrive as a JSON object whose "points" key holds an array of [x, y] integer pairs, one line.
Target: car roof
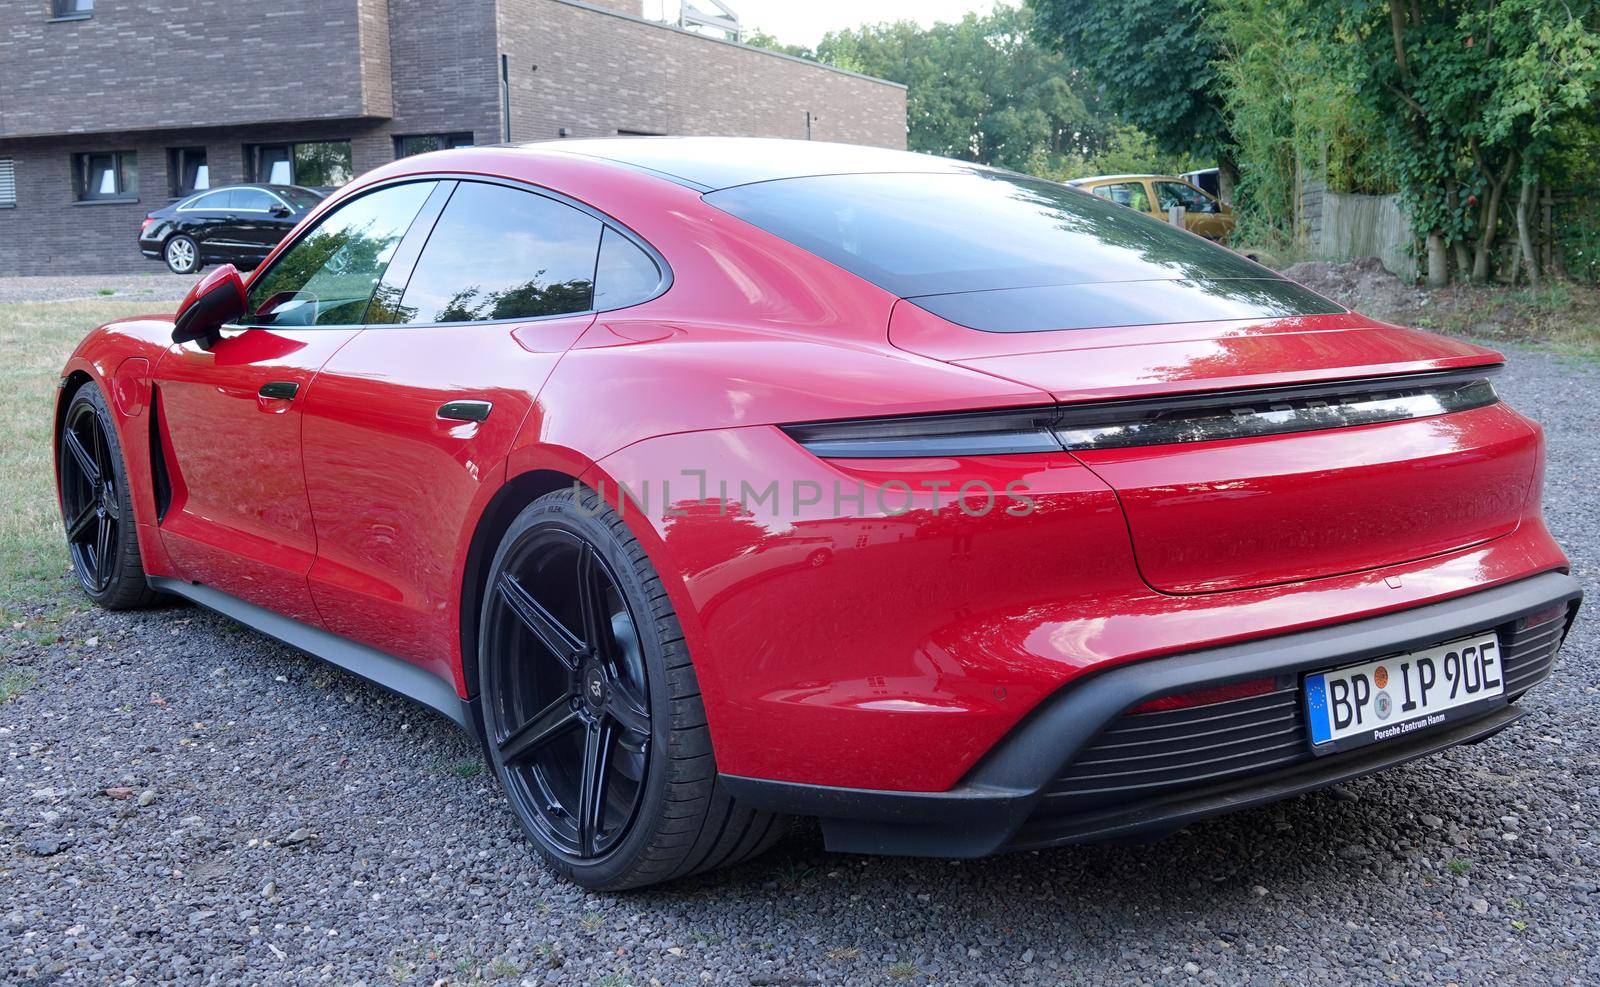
{"points": [[711, 163]]}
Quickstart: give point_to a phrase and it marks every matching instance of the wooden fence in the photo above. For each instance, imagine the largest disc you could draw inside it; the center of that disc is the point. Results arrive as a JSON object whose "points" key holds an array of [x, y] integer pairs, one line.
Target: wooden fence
{"points": [[1338, 226]]}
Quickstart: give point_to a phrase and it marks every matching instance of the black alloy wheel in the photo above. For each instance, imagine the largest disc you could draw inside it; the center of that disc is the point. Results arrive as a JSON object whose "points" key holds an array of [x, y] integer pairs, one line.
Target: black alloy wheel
{"points": [[90, 502], [591, 708], [572, 721], [96, 508]]}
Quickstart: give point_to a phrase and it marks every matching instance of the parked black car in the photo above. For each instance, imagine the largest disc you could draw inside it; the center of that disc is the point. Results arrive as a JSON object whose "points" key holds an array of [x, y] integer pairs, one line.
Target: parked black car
{"points": [[235, 224]]}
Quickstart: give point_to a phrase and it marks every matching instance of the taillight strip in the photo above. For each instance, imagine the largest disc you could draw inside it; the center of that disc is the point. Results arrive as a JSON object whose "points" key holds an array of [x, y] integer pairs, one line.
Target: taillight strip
{"points": [[1159, 421]]}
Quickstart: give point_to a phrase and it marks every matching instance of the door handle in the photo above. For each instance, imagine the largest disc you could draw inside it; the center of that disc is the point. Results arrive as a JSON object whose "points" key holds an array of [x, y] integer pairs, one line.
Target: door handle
{"points": [[465, 411], [281, 389]]}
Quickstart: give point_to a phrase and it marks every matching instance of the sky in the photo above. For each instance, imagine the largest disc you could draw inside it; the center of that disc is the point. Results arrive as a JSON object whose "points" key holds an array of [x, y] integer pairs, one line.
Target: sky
{"points": [[804, 22]]}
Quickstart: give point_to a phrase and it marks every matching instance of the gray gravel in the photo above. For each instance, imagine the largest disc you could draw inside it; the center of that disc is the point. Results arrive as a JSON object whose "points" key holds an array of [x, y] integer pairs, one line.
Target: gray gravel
{"points": [[273, 820], [154, 286]]}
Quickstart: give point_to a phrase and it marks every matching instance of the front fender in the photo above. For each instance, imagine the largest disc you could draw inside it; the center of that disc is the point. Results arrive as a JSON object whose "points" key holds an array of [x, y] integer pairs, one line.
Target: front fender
{"points": [[119, 358]]}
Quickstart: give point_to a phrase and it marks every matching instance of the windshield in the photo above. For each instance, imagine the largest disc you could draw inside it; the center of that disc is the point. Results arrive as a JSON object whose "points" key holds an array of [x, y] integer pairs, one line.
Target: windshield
{"points": [[930, 236]]}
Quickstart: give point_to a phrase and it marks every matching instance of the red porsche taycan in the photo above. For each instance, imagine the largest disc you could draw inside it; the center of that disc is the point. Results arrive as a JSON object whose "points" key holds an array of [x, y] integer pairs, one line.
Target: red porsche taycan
{"points": [[714, 482]]}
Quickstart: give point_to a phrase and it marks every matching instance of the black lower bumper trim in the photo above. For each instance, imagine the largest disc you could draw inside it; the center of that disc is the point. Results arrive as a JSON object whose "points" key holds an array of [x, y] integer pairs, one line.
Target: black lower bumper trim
{"points": [[998, 805], [1176, 811]]}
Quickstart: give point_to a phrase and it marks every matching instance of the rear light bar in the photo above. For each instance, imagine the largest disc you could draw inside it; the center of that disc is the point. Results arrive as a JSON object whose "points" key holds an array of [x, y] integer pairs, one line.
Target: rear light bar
{"points": [[1158, 421]]}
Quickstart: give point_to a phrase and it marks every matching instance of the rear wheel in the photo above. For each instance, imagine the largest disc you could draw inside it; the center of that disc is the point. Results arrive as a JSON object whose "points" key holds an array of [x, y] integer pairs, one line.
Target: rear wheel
{"points": [[591, 708], [97, 507], [182, 255]]}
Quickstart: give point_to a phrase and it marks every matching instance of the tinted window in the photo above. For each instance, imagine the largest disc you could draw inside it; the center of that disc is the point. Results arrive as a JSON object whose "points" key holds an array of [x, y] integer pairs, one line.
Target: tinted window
{"points": [[301, 199], [625, 275], [327, 276], [500, 253], [212, 200], [928, 234], [253, 198]]}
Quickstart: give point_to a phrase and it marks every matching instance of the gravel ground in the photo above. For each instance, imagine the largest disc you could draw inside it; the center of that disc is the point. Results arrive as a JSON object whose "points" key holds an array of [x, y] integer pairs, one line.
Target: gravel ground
{"points": [[184, 799], [154, 286]]}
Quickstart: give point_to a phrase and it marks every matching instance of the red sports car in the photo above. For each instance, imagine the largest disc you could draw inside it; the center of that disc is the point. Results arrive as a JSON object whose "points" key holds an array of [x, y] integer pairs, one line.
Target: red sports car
{"points": [[713, 482]]}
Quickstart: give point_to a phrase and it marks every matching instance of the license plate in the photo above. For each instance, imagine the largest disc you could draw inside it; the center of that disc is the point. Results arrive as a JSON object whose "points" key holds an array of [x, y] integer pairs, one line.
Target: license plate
{"points": [[1392, 697]]}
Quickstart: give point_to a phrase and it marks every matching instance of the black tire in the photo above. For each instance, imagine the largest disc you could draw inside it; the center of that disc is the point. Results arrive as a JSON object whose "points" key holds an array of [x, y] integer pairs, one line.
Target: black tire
{"points": [[681, 820], [182, 254], [97, 506]]}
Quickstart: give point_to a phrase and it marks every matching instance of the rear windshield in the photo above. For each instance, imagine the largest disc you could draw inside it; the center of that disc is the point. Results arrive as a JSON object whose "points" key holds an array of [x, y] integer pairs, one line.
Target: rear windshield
{"points": [[1034, 246]]}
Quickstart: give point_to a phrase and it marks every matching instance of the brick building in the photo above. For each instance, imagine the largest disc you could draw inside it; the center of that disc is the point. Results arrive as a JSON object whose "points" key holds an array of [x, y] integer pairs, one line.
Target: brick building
{"points": [[110, 109]]}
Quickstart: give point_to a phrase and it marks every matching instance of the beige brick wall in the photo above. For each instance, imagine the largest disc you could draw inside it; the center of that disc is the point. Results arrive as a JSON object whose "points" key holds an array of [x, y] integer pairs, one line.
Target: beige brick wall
{"points": [[599, 73]]}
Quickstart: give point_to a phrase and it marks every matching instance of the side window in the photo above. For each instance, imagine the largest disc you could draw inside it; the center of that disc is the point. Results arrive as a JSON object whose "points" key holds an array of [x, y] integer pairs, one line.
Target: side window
{"points": [[212, 200], [326, 278], [1171, 194], [1130, 194], [501, 253], [254, 199], [625, 275]]}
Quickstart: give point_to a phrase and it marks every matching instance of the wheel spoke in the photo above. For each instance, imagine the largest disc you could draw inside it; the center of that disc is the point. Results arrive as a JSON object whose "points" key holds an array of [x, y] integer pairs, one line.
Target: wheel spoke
{"points": [[86, 463], [596, 615], [592, 794], [625, 713], [79, 526], [102, 550], [102, 454], [545, 726], [539, 621]]}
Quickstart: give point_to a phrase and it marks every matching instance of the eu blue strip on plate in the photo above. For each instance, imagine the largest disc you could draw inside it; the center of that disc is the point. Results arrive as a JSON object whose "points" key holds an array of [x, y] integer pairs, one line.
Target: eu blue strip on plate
{"points": [[1317, 709]]}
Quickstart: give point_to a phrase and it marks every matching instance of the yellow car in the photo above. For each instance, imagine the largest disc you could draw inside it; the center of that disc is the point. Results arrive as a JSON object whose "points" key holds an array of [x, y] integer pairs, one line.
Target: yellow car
{"points": [[1155, 194]]}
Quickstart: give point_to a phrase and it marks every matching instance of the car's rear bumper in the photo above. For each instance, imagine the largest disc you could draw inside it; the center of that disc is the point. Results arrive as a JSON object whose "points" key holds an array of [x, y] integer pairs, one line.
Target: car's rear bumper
{"points": [[1026, 793]]}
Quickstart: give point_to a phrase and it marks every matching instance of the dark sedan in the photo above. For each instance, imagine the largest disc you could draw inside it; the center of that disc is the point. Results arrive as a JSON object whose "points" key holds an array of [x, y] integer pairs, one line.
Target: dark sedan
{"points": [[235, 224]]}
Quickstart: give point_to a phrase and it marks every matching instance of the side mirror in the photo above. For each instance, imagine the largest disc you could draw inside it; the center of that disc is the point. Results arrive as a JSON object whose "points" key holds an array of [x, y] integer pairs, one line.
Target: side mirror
{"points": [[216, 299], [280, 210]]}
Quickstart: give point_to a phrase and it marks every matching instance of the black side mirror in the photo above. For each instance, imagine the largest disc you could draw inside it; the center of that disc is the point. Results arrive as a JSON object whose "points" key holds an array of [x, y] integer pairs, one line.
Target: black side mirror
{"points": [[216, 299], [280, 210]]}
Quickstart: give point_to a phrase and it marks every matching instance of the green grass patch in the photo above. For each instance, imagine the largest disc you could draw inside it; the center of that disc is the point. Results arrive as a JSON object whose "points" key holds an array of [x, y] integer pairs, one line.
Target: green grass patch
{"points": [[13, 681], [35, 339]]}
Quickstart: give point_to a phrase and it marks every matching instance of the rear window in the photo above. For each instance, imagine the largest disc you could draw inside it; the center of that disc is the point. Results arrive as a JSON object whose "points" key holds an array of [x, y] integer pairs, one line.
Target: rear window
{"points": [[932, 237]]}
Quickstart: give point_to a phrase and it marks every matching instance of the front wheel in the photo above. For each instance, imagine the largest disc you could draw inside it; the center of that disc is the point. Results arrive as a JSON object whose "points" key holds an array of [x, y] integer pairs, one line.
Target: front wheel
{"points": [[592, 712], [182, 255], [97, 507]]}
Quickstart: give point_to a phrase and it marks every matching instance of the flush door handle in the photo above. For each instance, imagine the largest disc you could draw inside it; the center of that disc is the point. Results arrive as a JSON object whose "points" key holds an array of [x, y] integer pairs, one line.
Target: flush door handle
{"points": [[283, 390], [465, 411]]}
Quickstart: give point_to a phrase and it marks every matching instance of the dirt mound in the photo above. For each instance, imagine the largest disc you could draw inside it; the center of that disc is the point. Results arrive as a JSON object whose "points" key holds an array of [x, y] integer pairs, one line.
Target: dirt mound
{"points": [[1364, 285]]}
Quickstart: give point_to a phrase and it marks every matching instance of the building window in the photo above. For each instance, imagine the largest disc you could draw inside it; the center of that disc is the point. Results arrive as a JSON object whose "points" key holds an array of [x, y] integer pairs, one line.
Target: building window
{"points": [[410, 144], [99, 176], [72, 8], [8, 183], [314, 164], [187, 171]]}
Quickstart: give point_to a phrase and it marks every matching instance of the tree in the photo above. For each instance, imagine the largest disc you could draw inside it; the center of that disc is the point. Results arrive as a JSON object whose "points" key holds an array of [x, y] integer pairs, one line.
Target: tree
{"points": [[1150, 62], [1293, 117], [761, 39], [981, 89], [1471, 95]]}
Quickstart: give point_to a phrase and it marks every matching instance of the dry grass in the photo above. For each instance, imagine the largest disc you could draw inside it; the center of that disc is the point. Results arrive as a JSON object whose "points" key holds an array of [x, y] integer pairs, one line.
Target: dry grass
{"points": [[1563, 314], [35, 340]]}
